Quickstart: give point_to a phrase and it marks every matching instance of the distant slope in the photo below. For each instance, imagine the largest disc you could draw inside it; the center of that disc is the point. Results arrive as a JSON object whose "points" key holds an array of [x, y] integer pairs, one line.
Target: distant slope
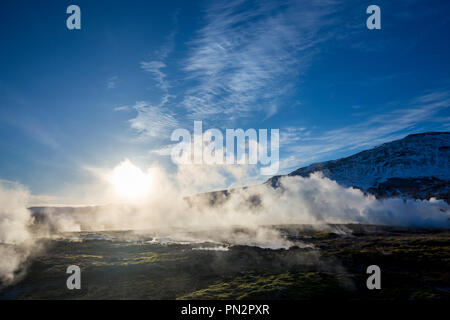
{"points": [[416, 166]]}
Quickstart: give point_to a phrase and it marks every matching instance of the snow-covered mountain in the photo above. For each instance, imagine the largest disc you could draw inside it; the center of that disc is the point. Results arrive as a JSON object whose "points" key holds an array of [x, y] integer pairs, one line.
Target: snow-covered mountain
{"points": [[416, 166]]}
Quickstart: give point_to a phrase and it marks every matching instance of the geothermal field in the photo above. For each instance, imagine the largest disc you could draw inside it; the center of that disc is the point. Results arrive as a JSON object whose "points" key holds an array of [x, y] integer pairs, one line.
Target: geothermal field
{"points": [[322, 264]]}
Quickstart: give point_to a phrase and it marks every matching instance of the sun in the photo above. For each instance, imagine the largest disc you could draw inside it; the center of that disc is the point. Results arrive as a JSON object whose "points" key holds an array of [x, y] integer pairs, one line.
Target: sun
{"points": [[130, 182]]}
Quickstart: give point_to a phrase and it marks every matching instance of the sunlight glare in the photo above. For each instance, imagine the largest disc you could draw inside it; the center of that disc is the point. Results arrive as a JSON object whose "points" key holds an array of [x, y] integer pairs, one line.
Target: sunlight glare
{"points": [[130, 182]]}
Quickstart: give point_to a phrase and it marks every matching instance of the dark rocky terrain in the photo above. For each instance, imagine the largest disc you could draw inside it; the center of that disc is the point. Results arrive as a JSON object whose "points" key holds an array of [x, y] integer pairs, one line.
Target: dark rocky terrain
{"points": [[325, 265]]}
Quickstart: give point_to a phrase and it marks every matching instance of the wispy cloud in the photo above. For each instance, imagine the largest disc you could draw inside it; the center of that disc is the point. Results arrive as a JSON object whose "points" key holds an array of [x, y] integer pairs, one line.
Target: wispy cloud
{"points": [[246, 57], [155, 69], [111, 83], [122, 108], [39, 131], [165, 150], [152, 121], [304, 147], [157, 65], [155, 120]]}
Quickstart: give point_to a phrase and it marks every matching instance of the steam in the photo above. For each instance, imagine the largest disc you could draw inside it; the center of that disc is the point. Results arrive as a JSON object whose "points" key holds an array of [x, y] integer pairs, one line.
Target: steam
{"points": [[16, 241], [240, 217], [315, 200]]}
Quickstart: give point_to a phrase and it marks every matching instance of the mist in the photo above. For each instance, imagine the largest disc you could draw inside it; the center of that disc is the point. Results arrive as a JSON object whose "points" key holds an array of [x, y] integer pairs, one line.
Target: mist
{"points": [[314, 200], [17, 243], [246, 216]]}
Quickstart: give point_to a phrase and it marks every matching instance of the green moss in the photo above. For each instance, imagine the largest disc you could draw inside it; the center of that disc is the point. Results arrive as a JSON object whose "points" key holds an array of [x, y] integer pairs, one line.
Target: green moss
{"points": [[277, 286]]}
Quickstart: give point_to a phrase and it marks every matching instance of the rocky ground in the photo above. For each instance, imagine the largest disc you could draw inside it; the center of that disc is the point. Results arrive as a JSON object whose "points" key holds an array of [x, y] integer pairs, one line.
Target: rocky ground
{"points": [[331, 264]]}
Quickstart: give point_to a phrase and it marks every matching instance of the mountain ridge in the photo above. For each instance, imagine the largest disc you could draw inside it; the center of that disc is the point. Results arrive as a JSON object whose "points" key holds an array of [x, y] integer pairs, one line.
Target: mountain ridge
{"points": [[416, 166]]}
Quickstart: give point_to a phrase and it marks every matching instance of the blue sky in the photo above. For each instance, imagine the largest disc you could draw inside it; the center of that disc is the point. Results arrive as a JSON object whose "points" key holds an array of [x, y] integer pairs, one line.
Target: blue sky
{"points": [[137, 70]]}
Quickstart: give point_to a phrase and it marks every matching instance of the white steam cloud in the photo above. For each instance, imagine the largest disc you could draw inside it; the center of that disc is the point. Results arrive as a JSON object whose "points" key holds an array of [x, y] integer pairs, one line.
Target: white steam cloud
{"points": [[16, 241], [316, 201]]}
